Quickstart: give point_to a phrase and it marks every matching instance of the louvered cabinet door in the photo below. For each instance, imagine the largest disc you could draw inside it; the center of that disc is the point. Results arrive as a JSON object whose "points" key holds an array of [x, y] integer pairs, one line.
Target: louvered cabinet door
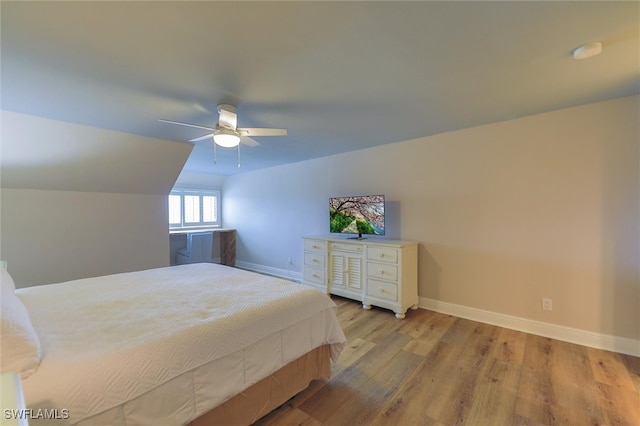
{"points": [[336, 271], [345, 275], [354, 273]]}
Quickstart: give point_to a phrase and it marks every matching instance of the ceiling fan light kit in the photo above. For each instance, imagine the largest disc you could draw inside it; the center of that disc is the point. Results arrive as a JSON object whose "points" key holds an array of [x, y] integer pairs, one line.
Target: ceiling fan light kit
{"points": [[226, 138], [226, 133]]}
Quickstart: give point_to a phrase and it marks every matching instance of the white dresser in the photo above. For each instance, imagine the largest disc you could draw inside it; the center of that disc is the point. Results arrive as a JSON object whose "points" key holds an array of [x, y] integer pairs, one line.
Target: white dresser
{"points": [[376, 272]]}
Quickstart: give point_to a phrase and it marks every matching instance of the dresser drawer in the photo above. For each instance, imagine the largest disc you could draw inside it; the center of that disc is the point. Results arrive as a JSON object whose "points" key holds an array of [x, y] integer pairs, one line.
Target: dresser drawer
{"points": [[351, 248], [314, 275], [382, 290], [386, 271], [385, 254], [315, 245], [314, 259]]}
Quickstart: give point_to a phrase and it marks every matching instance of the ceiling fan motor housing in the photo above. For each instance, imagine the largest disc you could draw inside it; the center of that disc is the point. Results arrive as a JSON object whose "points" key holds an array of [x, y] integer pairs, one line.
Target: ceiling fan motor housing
{"points": [[228, 118]]}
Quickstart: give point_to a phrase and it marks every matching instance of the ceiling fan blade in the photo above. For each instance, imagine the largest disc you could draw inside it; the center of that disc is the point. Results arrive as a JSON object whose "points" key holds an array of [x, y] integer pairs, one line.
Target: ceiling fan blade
{"points": [[248, 141], [260, 131], [187, 124], [201, 138]]}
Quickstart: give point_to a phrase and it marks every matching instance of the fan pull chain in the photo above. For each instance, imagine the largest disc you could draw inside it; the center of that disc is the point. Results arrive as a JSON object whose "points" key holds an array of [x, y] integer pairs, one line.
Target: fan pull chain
{"points": [[238, 155], [215, 157]]}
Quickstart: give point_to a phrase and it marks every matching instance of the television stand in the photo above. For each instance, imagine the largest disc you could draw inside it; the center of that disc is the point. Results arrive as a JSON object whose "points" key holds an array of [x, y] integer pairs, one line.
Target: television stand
{"points": [[375, 272], [359, 237]]}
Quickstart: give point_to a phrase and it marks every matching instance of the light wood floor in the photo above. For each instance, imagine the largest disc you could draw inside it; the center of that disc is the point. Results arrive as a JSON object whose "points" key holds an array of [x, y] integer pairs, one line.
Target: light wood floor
{"points": [[435, 369]]}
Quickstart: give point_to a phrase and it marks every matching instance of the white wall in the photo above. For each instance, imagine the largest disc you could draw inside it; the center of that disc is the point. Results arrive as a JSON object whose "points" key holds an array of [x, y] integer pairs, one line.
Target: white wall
{"points": [[53, 236], [39, 153], [78, 201], [505, 214]]}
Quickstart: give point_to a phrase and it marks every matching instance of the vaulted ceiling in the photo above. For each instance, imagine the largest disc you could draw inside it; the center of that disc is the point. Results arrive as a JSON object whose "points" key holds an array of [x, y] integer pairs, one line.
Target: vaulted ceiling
{"points": [[340, 76]]}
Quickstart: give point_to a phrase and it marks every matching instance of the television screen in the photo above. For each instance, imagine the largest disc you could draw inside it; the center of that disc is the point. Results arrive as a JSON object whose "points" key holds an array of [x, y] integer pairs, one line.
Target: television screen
{"points": [[360, 215]]}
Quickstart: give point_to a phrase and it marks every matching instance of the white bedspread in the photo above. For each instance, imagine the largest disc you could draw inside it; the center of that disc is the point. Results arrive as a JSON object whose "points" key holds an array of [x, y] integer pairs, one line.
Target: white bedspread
{"points": [[112, 339]]}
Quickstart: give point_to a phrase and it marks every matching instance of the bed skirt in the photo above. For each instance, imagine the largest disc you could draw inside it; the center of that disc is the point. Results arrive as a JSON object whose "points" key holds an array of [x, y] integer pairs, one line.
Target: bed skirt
{"points": [[270, 392]]}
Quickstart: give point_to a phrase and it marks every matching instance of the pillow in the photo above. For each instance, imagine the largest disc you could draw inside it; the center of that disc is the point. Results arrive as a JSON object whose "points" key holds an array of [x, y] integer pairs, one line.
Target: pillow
{"points": [[20, 349], [6, 282]]}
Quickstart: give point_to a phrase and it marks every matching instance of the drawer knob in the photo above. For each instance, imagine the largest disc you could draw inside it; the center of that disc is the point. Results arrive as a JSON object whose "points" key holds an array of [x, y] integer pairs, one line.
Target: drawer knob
{"points": [[381, 255], [315, 260], [381, 290], [315, 275], [381, 271]]}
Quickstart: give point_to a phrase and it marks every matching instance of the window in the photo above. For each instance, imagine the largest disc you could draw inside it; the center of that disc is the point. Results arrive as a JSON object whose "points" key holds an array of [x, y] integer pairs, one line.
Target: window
{"points": [[194, 208]]}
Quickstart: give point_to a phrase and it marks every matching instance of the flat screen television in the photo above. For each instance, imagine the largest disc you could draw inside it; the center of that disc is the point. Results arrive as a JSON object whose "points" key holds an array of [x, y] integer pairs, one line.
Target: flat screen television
{"points": [[357, 215]]}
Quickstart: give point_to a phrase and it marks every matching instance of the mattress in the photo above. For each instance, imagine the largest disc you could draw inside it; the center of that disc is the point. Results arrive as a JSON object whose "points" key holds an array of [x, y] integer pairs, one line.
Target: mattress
{"points": [[164, 346]]}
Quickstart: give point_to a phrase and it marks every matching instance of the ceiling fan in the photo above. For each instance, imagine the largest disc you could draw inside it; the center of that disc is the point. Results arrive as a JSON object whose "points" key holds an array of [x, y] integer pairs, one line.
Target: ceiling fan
{"points": [[227, 134]]}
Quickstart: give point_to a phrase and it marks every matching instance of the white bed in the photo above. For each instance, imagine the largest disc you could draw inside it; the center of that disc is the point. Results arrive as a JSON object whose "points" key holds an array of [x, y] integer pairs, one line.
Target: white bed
{"points": [[165, 346]]}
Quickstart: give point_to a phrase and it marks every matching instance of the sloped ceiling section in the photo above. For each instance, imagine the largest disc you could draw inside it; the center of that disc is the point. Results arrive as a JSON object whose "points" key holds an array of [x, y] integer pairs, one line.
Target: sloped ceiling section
{"points": [[340, 76], [39, 153]]}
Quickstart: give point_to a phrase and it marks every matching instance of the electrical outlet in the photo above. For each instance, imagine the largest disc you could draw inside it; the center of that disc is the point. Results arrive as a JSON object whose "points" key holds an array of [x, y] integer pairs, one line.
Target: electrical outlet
{"points": [[547, 304]]}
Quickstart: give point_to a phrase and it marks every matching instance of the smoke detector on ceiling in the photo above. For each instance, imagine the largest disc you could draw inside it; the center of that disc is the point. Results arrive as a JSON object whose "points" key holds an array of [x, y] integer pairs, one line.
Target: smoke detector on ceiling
{"points": [[587, 50]]}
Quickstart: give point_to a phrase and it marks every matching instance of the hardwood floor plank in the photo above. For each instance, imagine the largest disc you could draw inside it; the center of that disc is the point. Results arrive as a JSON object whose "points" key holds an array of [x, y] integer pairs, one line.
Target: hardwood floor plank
{"points": [[353, 379], [362, 408], [331, 397], [409, 403], [571, 364], [574, 383], [381, 353], [453, 399], [421, 320], [579, 406], [535, 399], [288, 416], [495, 395], [609, 368], [363, 322], [538, 353], [536, 391], [394, 416], [503, 374], [633, 367], [478, 347], [619, 405], [432, 331], [511, 345], [460, 331], [351, 353], [436, 369]]}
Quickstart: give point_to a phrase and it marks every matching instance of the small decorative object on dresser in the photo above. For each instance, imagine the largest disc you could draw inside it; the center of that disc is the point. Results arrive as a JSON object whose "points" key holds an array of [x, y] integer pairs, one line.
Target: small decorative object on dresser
{"points": [[381, 273]]}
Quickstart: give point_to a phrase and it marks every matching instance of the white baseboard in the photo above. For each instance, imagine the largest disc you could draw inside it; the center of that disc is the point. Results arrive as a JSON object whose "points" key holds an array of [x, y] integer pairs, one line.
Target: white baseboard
{"points": [[268, 270], [572, 335]]}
